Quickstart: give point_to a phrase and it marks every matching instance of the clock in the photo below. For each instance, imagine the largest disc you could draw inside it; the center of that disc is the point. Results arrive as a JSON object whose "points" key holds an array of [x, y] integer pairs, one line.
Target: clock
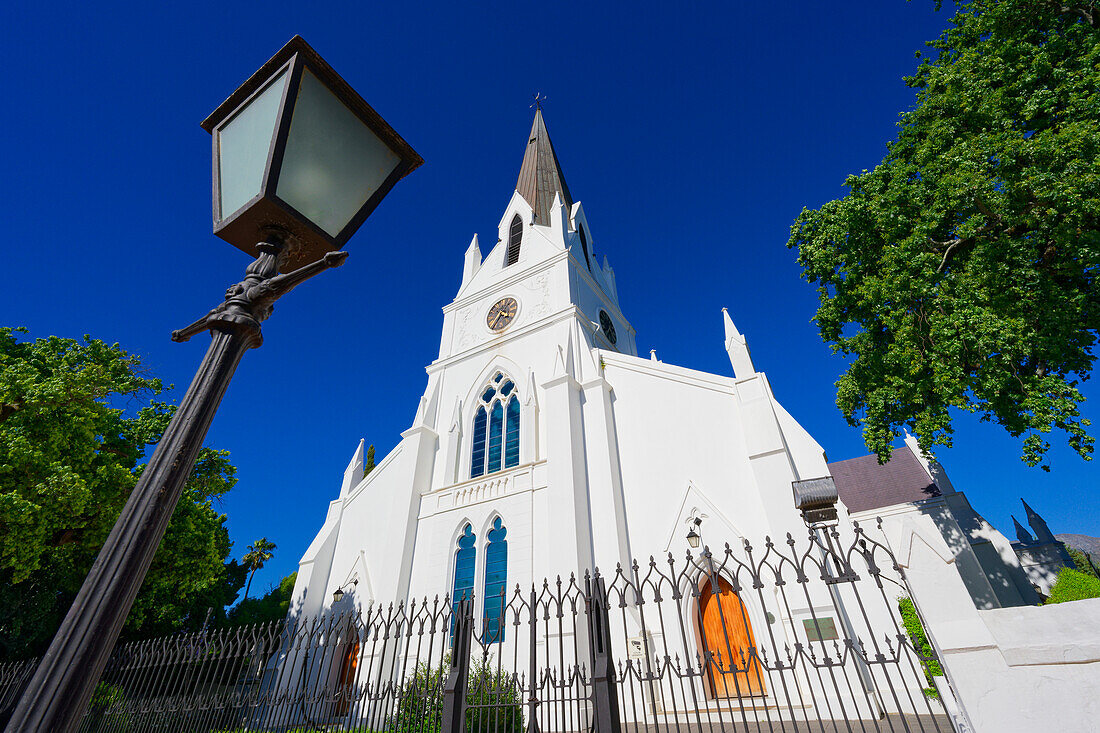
{"points": [[501, 314], [607, 327]]}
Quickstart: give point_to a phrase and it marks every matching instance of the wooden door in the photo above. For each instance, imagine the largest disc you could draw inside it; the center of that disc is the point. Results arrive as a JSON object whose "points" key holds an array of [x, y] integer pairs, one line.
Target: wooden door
{"points": [[345, 689], [727, 635]]}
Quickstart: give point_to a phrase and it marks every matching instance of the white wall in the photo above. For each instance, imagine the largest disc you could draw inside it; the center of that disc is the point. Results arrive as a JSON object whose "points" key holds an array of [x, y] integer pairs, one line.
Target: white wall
{"points": [[1028, 668]]}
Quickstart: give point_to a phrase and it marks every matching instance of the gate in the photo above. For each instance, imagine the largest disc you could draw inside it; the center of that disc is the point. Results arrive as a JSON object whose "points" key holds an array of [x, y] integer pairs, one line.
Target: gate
{"points": [[788, 636]]}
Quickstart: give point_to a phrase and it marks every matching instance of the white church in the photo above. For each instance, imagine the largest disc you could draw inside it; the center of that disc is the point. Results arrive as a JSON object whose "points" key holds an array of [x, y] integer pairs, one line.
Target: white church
{"points": [[543, 443]]}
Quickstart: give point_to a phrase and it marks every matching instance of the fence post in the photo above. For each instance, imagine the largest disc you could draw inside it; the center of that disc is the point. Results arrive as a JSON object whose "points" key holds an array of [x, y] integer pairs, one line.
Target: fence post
{"points": [[605, 701], [454, 689], [533, 670]]}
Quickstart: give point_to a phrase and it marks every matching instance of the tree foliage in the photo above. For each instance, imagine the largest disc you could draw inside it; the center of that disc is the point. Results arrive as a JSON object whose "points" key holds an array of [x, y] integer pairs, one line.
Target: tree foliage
{"points": [[272, 606], [1083, 561], [259, 552], [368, 465], [961, 273], [76, 419]]}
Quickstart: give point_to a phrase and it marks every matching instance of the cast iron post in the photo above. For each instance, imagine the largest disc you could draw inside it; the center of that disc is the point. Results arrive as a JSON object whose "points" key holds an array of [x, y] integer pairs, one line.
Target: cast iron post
{"points": [[454, 688], [532, 669], [604, 698], [58, 694]]}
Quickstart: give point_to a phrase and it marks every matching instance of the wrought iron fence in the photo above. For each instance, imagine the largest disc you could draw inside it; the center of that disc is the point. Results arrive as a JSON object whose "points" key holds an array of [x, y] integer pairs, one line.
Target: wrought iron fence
{"points": [[787, 636]]}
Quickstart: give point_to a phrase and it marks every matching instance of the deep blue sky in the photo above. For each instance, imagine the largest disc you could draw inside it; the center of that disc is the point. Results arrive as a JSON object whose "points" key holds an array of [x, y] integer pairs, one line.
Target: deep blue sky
{"points": [[693, 134]]}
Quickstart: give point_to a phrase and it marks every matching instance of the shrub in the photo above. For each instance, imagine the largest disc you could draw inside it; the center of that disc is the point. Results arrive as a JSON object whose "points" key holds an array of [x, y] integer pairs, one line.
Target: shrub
{"points": [[927, 654], [420, 708], [494, 703], [1073, 585]]}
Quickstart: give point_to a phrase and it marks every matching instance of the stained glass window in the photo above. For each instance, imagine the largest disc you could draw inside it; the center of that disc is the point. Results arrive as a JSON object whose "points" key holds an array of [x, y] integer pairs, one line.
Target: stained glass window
{"points": [[496, 434], [465, 561], [511, 434], [477, 459], [496, 582], [495, 439]]}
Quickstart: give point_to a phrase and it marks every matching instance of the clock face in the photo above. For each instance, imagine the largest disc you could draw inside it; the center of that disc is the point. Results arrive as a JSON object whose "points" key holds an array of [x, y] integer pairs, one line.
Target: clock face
{"points": [[608, 327], [501, 314]]}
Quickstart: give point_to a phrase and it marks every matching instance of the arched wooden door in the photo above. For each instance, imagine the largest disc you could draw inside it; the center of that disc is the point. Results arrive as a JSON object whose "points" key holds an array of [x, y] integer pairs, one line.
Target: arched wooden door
{"points": [[345, 690], [727, 635]]}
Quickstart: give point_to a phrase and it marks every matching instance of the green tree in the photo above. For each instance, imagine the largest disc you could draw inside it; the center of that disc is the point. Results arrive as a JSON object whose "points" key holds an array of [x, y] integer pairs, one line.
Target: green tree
{"points": [[272, 606], [368, 466], [258, 553], [1082, 561], [962, 271], [76, 418]]}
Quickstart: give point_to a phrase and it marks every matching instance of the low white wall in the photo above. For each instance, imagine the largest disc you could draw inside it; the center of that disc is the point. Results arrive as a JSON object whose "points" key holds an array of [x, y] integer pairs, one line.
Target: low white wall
{"points": [[1029, 668]]}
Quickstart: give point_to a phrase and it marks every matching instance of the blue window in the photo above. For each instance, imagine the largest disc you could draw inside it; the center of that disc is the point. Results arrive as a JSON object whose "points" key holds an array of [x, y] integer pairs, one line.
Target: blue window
{"points": [[477, 461], [465, 561], [495, 443], [496, 434], [511, 434], [496, 582]]}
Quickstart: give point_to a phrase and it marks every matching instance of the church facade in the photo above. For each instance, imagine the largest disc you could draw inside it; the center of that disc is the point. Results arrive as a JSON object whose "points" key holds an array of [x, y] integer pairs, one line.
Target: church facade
{"points": [[543, 445]]}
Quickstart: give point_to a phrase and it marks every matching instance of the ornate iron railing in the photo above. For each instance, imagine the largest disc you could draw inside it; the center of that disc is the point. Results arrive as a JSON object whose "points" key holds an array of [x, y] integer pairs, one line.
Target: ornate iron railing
{"points": [[782, 637]]}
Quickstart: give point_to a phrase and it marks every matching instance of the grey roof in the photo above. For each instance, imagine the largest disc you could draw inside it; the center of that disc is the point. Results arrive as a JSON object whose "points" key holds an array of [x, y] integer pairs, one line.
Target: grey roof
{"points": [[540, 175], [865, 484]]}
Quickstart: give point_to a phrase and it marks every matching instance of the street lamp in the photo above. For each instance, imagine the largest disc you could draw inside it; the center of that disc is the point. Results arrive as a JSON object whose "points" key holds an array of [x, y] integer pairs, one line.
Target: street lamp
{"points": [[297, 151], [300, 161]]}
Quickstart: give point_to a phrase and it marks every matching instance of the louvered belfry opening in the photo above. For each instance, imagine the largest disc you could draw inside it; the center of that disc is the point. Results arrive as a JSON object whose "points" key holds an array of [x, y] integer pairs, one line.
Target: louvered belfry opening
{"points": [[584, 245], [515, 237]]}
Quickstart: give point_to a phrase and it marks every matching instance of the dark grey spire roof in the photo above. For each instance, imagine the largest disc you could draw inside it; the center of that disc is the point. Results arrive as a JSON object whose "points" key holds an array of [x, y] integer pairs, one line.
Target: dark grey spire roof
{"points": [[540, 175]]}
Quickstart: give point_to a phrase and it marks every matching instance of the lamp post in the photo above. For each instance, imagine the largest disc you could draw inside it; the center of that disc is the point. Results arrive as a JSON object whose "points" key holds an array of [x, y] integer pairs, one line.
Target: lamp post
{"points": [[300, 161]]}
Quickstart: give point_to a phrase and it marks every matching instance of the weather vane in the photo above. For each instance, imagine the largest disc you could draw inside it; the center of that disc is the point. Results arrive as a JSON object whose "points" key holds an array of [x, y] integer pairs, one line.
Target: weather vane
{"points": [[539, 99]]}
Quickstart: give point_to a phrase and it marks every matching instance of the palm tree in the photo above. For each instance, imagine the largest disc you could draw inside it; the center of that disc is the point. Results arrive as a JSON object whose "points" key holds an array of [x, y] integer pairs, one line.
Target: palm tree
{"points": [[258, 553]]}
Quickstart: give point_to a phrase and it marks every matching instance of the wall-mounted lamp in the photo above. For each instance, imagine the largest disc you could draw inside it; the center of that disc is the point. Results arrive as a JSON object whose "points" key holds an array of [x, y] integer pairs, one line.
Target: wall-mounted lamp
{"points": [[693, 536], [338, 594]]}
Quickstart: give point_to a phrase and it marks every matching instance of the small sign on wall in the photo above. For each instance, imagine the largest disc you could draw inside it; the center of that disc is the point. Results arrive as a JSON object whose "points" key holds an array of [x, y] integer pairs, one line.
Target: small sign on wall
{"points": [[822, 628], [635, 647]]}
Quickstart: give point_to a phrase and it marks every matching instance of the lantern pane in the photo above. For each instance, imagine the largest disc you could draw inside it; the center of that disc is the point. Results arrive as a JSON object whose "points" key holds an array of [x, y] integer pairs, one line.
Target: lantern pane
{"points": [[333, 162], [243, 143]]}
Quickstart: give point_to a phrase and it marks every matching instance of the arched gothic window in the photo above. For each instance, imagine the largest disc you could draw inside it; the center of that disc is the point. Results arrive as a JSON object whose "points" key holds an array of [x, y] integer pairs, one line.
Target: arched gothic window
{"points": [[515, 235], [496, 428], [465, 562], [496, 582]]}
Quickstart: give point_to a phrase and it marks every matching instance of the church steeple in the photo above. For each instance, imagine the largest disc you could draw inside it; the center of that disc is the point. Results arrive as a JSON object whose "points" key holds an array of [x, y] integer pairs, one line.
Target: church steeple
{"points": [[540, 175]]}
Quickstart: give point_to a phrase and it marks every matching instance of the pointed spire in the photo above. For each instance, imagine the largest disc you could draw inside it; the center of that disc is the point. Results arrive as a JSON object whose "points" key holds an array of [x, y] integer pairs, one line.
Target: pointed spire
{"points": [[737, 348], [540, 175], [456, 417], [353, 474], [472, 262], [1038, 524], [1021, 534], [532, 396]]}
